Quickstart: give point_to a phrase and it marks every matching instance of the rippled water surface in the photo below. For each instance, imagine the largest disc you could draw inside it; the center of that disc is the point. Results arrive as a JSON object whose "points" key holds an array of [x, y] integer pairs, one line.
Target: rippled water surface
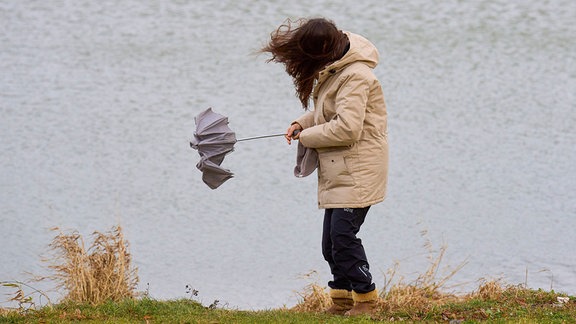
{"points": [[98, 100]]}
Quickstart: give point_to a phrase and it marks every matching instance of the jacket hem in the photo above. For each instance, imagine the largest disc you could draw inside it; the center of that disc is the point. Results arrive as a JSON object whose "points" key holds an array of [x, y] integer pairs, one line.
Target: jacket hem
{"points": [[351, 205]]}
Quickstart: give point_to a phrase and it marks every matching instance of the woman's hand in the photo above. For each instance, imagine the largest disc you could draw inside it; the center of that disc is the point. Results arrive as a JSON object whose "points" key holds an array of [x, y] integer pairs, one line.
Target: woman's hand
{"points": [[293, 132]]}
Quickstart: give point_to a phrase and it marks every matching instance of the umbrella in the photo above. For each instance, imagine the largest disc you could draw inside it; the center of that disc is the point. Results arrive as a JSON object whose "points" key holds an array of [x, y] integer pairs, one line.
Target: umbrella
{"points": [[213, 139]]}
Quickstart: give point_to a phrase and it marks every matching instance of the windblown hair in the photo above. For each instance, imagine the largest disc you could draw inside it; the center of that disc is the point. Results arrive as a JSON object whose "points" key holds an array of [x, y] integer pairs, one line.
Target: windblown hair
{"points": [[305, 47]]}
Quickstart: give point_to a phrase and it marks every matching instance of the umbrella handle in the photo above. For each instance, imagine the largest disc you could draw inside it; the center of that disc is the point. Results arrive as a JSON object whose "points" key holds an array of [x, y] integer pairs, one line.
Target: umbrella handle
{"points": [[266, 136]]}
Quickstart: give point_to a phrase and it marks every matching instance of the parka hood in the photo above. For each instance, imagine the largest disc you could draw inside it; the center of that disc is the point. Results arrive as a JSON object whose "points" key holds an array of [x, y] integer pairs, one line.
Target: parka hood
{"points": [[361, 50]]}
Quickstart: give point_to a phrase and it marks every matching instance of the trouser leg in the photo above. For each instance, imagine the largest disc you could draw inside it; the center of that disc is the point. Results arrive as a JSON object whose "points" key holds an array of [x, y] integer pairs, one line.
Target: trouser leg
{"points": [[344, 252], [339, 281]]}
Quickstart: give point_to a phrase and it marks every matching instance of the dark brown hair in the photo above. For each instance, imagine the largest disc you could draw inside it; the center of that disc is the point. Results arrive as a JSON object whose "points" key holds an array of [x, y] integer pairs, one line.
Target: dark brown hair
{"points": [[305, 47]]}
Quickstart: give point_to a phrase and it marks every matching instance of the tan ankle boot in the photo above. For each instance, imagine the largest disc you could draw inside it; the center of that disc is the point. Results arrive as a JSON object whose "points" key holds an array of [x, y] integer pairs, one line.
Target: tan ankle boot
{"points": [[363, 303], [341, 302]]}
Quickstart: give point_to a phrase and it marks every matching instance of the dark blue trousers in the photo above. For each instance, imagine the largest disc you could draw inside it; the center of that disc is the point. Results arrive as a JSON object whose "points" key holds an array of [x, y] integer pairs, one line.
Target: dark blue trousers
{"points": [[344, 252]]}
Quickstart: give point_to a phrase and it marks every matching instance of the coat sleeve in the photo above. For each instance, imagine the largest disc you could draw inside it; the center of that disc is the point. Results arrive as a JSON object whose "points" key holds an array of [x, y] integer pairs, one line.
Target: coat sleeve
{"points": [[346, 126], [306, 120]]}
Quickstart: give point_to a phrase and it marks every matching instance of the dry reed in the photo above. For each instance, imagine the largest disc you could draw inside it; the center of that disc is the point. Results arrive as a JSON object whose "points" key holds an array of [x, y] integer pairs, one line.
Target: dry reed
{"points": [[424, 293], [315, 299], [488, 290], [100, 273], [417, 297], [426, 296]]}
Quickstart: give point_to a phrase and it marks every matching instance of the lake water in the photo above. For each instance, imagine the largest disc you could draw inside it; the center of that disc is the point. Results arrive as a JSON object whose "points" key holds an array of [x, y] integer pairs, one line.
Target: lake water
{"points": [[98, 98]]}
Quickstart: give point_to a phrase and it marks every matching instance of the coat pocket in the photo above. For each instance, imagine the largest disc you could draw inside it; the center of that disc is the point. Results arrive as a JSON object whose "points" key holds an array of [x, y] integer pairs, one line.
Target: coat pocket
{"points": [[333, 170]]}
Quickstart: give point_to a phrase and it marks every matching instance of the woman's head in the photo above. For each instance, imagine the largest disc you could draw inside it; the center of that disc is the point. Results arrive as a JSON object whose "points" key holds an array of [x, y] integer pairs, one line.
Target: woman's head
{"points": [[305, 47]]}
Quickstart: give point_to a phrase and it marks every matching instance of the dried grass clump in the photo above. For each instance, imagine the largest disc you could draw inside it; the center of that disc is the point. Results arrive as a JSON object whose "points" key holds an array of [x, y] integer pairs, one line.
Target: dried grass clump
{"points": [[425, 292], [314, 299], [100, 273], [494, 290], [488, 290], [412, 299]]}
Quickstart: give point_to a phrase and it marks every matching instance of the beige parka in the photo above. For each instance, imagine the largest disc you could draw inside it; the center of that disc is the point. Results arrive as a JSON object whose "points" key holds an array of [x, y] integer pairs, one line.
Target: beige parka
{"points": [[348, 128]]}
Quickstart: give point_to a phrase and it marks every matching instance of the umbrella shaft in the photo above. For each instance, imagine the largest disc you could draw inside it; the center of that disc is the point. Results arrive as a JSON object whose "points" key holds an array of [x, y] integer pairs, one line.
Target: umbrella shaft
{"points": [[258, 137]]}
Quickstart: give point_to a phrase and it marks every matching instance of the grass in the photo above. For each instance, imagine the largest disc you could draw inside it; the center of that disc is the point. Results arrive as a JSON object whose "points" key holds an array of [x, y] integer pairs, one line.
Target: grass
{"points": [[511, 305], [152, 311], [100, 288]]}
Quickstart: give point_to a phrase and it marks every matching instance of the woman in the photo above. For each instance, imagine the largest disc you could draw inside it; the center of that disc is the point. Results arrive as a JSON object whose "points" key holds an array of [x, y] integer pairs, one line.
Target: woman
{"points": [[348, 130]]}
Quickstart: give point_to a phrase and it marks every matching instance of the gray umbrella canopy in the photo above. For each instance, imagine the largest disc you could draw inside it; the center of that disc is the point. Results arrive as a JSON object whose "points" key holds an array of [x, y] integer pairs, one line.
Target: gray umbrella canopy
{"points": [[213, 139]]}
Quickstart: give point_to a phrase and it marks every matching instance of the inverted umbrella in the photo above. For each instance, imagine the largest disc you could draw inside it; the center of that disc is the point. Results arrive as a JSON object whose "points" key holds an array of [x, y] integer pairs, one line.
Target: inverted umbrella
{"points": [[213, 139]]}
